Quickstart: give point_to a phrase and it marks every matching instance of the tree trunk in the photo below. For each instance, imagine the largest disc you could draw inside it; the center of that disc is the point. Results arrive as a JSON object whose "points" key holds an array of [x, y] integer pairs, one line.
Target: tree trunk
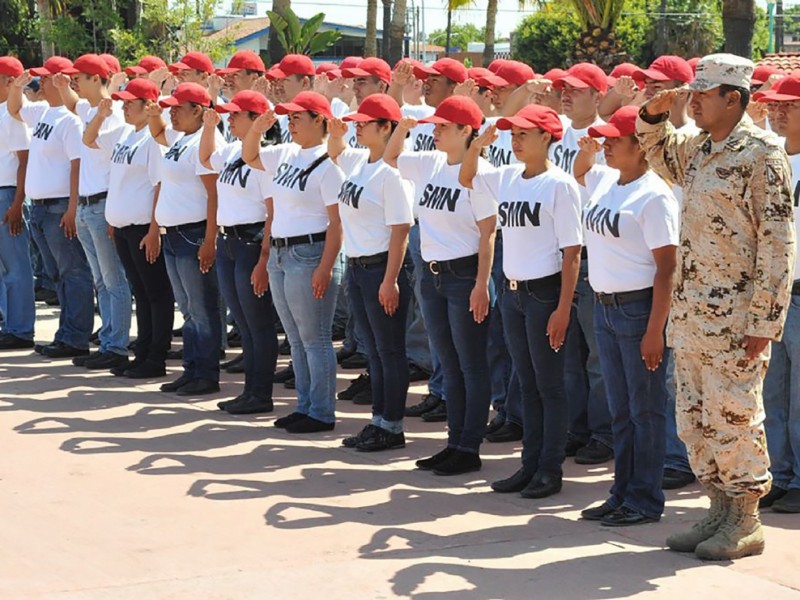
{"points": [[46, 16], [488, 39], [779, 26], [387, 26], [276, 51], [449, 29], [132, 13], [371, 41], [738, 25], [661, 30], [397, 32]]}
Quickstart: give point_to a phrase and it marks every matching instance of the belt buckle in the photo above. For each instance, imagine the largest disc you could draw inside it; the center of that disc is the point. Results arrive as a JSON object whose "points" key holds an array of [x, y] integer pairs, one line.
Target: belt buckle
{"points": [[162, 230], [513, 285], [433, 266]]}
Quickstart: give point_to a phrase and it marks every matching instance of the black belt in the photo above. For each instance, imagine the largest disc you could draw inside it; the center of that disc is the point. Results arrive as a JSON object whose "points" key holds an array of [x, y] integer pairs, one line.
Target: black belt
{"points": [[7, 187], [437, 267], [93, 199], [584, 253], [310, 238], [243, 232], [796, 288], [364, 261], [499, 235], [185, 226], [533, 286], [623, 297], [47, 201]]}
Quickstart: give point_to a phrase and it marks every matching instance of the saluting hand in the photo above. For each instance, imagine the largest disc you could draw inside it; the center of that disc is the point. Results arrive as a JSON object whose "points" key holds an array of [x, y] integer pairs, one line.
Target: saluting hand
{"points": [[211, 118], [61, 81], [337, 128], [486, 138], [153, 109], [626, 87], [261, 85], [105, 108], [662, 102], [407, 123], [117, 80], [589, 145], [538, 86], [466, 88], [264, 122], [23, 80], [403, 74]]}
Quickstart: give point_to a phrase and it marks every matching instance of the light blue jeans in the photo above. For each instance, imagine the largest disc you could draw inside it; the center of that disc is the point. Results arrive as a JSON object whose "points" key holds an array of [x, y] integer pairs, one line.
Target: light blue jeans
{"points": [[110, 282], [782, 403], [307, 322], [16, 275]]}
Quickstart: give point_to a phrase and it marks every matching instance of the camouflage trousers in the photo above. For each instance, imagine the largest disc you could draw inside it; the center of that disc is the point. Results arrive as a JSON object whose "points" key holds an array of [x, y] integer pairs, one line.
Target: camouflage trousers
{"points": [[720, 417]]}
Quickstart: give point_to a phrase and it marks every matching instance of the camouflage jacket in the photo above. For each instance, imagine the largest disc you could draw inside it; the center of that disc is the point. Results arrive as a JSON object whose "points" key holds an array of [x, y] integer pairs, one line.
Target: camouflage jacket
{"points": [[737, 243]]}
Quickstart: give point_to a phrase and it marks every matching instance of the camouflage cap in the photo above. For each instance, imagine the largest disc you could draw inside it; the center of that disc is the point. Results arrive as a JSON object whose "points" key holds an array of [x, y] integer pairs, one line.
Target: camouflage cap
{"points": [[715, 70]]}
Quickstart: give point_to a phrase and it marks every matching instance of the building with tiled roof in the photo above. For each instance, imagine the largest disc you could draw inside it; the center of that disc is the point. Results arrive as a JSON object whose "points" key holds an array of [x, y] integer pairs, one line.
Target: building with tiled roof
{"points": [[785, 61]]}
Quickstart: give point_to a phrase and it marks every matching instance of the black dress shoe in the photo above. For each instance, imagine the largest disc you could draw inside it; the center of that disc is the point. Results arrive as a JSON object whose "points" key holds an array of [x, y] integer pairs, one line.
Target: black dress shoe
{"points": [[357, 361], [250, 404], [495, 424], [775, 493], [52, 300], [416, 373], [80, 361], [675, 479], [789, 503], [234, 339], [284, 422], [8, 341], [175, 354], [356, 385], [338, 334], [574, 443], [284, 374], [225, 403], [624, 517], [542, 486], [236, 368], [173, 386], [285, 349], [426, 464], [146, 370], [595, 513], [289, 384], [343, 354], [437, 415], [198, 387], [95, 338], [516, 483], [62, 350], [354, 440], [309, 425], [509, 432], [458, 463], [177, 332], [364, 397], [107, 360], [39, 348], [594, 453], [232, 362], [383, 440], [120, 371], [428, 403]]}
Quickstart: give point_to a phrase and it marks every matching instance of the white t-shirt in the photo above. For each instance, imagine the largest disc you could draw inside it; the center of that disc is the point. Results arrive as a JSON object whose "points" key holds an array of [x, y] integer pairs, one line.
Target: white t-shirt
{"points": [[448, 213], [96, 163], [56, 141], [300, 200], [499, 152], [183, 198], [14, 137], [539, 217], [283, 121], [372, 198], [563, 152], [241, 190], [421, 137], [794, 161], [622, 225], [135, 172], [340, 108]]}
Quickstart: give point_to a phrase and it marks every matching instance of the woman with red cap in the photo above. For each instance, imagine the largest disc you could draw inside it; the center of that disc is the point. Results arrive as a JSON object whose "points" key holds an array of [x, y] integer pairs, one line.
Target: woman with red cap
{"points": [[187, 209], [457, 228], [242, 208], [304, 265], [540, 216], [134, 183], [375, 208], [631, 231]]}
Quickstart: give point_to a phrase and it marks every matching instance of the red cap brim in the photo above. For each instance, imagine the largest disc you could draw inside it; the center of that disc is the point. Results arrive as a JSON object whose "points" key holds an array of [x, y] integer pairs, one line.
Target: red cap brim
{"points": [[71, 71], [434, 119], [493, 80], [168, 102], [135, 71], [359, 118], [275, 73], [40, 72], [507, 122], [570, 80], [123, 95], [228, 107], [643, 74], [333, 74], [355, 72], [605, 131], [773, 96], [178, 66], [284, 108], [226, 71]]}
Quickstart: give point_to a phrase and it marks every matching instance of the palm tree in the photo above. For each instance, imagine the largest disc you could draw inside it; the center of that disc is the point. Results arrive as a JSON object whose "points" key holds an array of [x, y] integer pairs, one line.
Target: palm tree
{"points": [[598, 42], [371, 41], [48, 10], [489, 32], [276, 50], [738, 25], [455, 5]]}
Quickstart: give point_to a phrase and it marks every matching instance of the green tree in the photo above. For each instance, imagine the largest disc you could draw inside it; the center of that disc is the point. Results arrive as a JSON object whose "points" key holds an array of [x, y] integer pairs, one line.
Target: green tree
{"points": [[460, 36], [17, 31], [301, 39]]}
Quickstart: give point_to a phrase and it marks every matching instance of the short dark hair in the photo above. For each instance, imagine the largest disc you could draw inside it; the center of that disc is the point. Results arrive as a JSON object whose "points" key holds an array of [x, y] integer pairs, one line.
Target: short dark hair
{"points": [[744, 93]]}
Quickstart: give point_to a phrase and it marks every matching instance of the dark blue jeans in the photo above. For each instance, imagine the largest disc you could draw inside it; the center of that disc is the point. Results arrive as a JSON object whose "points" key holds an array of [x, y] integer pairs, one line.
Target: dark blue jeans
{"points": [[384, 338], [202, 328], [73, 277], [541, 377], [16, 275], [254, 316], [638, 400], [460, 343]]}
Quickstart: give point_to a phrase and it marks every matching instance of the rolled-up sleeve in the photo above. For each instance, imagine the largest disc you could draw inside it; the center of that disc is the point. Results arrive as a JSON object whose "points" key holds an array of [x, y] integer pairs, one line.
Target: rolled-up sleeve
{"points": [[668, 151]]}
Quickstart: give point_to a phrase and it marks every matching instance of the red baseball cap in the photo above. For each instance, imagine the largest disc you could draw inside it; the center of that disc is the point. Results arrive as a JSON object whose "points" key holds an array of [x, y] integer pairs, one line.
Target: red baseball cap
{"points": [[555, 74], [53, 65], [325, 67], [376, 107], [412, 61], [584, 76], [446, 67], [478, 73], [511, 72], [292, 64], [495, 64], [90, 64], [349, 62], [194, 60], [10, 65], [693, 63], [138, 89], [763, 72], [306, 101], [245, 101], [244, 59], [187, 92], [667, 68], [370, 67], [147, 64], [621, 124], [534, 116], [460, 110], [784, 90], [624, 70]]}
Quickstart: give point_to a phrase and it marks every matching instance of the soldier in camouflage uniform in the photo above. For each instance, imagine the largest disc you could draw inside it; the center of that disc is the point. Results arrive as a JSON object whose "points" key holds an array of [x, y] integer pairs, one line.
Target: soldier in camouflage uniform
{"points": [[731, 294]]}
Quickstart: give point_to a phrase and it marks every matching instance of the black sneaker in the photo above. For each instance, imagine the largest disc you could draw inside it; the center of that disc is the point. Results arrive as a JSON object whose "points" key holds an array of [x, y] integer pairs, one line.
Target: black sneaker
{"points": [[80, 361], [594, 453], [516, 483], [675, 479], [364, 397], [383, 440], [775, 494], [234, 339], [225, 403], [175, 354], [338, 334], [120, 371], [95, 338], [8, 341], [52, 300], [250, 404], [357, 361], [574, 443], [198, 387], [62, 350], [146, 370], [343, 354], [509, 432], [426, 464], [437, 415], [285, 349], [236, 368], [284, 374], [106, 361], [232, 362], [356, 385], [495, 424], [428, 403], [284, 422], [289, 384], [416, 373], [354, 440], [458, 463], [173, 386], [542, 486], [625, 517], [309, 425], [177, 332]]}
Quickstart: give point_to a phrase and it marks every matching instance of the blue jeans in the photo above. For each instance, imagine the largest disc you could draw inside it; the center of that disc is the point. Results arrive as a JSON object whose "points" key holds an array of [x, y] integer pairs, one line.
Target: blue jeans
{"points": [[638, 401], [782, 403], [540, 371], [343, 317], [254, 316], [110, 282], [436, 381], [384, 338], [676, 457], [460, 343], [506, 393], [16, 275], [589, 416], [307, 322], [73, 277], [202, 327]]}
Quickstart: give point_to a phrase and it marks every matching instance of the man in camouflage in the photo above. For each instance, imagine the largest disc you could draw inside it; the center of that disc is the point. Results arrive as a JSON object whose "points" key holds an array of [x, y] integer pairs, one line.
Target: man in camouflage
{"points": [[731, 294]]}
